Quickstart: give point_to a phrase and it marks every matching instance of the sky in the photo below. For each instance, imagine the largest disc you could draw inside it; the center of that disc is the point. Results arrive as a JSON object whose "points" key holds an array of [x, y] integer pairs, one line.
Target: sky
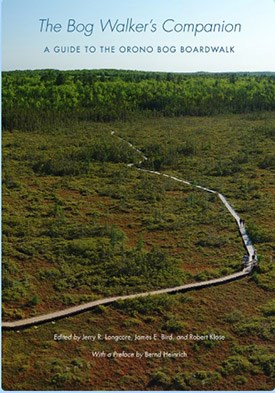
{"points": [[156, 44]]}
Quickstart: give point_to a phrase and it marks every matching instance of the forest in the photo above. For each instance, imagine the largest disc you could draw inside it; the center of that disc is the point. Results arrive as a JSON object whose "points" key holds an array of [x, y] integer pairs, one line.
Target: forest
{"points": [[44, 98]]}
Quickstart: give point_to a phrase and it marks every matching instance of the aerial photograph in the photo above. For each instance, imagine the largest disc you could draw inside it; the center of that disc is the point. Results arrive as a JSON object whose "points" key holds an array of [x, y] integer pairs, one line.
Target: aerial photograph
{"points": [[138, 159]]}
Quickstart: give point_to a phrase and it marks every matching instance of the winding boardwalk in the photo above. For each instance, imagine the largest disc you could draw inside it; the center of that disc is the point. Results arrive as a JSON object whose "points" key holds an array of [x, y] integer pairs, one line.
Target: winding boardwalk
{"points": [[247, 269]]}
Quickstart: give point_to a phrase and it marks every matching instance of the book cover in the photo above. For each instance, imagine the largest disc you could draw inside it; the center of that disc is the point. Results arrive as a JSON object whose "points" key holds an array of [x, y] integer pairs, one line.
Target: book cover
{"points": [[138, 195]]}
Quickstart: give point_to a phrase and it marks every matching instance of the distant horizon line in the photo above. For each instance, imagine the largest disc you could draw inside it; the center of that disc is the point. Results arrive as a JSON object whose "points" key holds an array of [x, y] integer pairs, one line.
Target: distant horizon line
{"points": [[137, 70]]}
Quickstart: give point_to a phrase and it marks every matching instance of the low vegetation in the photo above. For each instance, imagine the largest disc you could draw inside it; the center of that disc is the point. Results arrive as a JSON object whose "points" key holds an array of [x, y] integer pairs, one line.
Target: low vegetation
{"points": [[79, 224]]}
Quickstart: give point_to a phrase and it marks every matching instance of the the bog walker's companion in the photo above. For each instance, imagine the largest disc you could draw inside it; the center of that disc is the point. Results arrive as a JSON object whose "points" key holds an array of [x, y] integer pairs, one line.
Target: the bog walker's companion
{"points": [[138, 195]]}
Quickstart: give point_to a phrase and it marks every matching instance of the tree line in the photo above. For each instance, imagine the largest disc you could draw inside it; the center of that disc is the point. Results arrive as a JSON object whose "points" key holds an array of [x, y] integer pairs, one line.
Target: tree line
{"points": [[41, 98]]}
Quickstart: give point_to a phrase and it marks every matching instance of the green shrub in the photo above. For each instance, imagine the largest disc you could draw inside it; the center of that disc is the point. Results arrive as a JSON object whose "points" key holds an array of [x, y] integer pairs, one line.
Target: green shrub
{"points": [[13, 290], [160, 378], [269, 308], [187, 149], [240, 380], [49, 274], [225, 168], [9, 266], [259, 356], [61, 166], [174, 325], [236, 365], [59, 379], [258, 235], [260, 327], [234, 316], [78, 363], [267, 364], [150, 190], [95, 250], [9, 180], [179, 382], [200, 380], [264, 276], [268, 162], [34, 301]]}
